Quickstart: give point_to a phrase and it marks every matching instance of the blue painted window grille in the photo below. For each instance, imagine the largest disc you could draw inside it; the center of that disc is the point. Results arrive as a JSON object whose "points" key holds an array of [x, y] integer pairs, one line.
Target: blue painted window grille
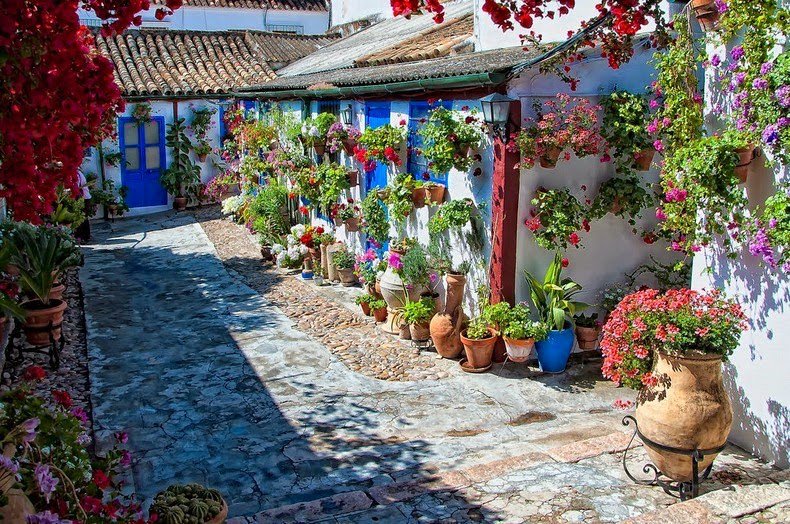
{"points": [[416, 163]]}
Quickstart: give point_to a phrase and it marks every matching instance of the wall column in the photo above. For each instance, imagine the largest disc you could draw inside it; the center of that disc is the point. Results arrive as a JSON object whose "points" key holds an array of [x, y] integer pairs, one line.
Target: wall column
{"points": [[504, 217]]}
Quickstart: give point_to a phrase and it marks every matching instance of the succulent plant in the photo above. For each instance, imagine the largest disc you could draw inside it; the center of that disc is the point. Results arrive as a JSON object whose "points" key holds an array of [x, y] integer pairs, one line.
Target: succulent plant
{"points": [[187, 504]]}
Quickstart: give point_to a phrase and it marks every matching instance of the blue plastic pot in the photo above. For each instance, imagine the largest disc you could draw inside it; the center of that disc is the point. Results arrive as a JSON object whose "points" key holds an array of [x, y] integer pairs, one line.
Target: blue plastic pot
{"points": [[307, 275], [555, 350]]}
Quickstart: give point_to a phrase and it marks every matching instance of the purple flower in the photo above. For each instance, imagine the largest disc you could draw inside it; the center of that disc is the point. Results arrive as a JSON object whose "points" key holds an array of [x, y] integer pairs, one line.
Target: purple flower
{"points": [[29, 427], [8, 465], [46, 517], [84, 439], [652, 127], [126, 459], [395, 262], [676, 195], [760, 83], [658, 145], [721, 5], [738, 79], [760, 245], [715, 60], [80, 414], [433, 278], [783, 96], [741, 124], [654, 104], [122, 437], [46, 482], [736, 53], [766, 68], [772, 223], [660, 214], [771, 134]]}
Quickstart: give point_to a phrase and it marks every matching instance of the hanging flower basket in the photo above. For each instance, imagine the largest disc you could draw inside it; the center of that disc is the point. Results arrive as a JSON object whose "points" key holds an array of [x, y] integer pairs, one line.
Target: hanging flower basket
{"points": [[349, 145], [418, 195], [644, 159], [352, 225], [320, 148], [550, 159], [435, 192], [707, 14], [745, 157]]}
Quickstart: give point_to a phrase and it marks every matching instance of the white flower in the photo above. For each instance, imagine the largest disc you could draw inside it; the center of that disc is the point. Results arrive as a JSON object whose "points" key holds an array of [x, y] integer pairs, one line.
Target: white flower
{"points": [[277, 249], [302, 249], [232, 204], [314, 131], [298, 230]]}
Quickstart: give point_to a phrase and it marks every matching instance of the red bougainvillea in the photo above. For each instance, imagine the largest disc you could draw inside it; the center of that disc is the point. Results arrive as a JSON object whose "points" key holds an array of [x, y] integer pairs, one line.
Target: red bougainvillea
{"points": [[57, 95]]}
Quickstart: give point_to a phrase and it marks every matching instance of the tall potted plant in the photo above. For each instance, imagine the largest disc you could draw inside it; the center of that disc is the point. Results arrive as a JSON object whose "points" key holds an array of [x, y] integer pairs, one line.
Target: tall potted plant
{"points": [[670, 346], [42, 254], [552, 299], [182, 173]]}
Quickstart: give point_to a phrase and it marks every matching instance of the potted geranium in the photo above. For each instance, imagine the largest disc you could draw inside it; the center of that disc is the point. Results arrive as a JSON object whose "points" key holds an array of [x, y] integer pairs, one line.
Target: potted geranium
{"points": [[447, 138], [556, 219], [670, 347], [349, 215], [202, 150], [520, 333], [478, 340], [418, 316], [563, 125], [42, 254], [553, 301], [588, 329], [382, 144], [314, 131], [190, 503], [342, 135], [624, 129], [344, 263], [625, 197]]}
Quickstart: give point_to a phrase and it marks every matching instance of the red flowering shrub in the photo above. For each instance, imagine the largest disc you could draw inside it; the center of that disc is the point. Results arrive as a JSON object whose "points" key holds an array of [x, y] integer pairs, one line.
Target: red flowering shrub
{"points": [[57, 95], [676, 322]]}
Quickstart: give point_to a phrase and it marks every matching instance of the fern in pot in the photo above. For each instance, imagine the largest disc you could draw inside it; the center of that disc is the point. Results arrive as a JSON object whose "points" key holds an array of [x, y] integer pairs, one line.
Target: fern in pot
{"points": [[553, 301]]}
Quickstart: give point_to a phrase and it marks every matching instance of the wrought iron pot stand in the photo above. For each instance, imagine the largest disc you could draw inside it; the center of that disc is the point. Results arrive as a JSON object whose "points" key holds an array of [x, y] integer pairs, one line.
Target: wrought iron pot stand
{"points": [[683, 490], [52, 350]]}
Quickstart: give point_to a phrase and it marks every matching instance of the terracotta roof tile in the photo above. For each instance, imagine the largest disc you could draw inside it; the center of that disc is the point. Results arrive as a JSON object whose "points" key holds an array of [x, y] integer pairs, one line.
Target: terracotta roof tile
{"points": [[434, 42], [151, 62], [284, 5]]}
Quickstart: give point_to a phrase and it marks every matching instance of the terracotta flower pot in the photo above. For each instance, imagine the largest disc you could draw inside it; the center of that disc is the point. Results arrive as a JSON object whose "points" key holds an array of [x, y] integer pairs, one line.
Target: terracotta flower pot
{"points": [[377, 288], [38, 316], [383, 193], [644, 159], [349, 145], [550, 159], [479, 353], [202, 158], [380, 314], [347, 277], [266, 253], [707, 13], [436, 193], [519, 350], [418, 197], [352, 225], [180, 203], [222, 516], [587, 337], [745, 157], [420, 332], [314, 253], [353, 178], [324, 261], [617, 206], [56, 293], [688, 409], [337, 222], [320, 149], [365, 308], [446, 326], [464, 149]]}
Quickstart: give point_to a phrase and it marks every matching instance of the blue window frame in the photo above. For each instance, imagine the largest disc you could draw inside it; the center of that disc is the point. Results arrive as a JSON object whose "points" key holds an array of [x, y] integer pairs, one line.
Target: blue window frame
{"points": [[223, 130], [415, 163], [328, 106]]}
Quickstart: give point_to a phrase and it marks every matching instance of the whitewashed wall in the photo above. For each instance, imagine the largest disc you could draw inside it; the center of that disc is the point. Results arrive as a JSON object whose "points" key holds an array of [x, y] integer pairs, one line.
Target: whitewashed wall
{"points": [[164, 109], [756, 376], [197, 18], [610, 249], [345, 11]]}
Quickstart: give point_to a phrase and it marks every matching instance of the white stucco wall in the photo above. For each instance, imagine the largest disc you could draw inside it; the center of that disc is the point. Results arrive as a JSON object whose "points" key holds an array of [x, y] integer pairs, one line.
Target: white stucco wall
{"points": [[222, 19], [610, 249], [756, 375], [164, 109], [345, 11]]}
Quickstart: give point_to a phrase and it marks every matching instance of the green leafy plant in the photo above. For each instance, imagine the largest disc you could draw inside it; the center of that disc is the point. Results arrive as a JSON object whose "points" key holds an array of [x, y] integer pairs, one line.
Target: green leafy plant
{"points": [[587, 321], [68, 209], [364, 299], [496, 315], [622, 196], [202, 148], [333, 180], [399, 198], [201, 121], [183, 176], [383, 143], [374, 218], [553, 297], [416, 270], [612, 295], [314, 130], [700, 178], [142, 112], [519, 325], [419, 311], [377, 305], [556, 219], [190, 503], [114, 199], [440, 260], [478, 330], [448, 136], [453, 216], [269, 209], [625, 117], [344, 259]]}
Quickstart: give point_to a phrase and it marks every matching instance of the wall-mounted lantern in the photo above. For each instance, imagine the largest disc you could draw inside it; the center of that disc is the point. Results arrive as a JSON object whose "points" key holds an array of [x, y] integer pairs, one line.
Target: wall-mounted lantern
{"points": [[347, 115], [496, 113]]}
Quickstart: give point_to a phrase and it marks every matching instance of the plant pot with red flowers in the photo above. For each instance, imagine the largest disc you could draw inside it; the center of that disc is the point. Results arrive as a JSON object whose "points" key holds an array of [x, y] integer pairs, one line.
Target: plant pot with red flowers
{"points": [[549, 159], [349, 145], [448, 136], [42, 254], [670, 346], [478, 340], [588, 330], [379, 309], [707, 13], [349, 213]]}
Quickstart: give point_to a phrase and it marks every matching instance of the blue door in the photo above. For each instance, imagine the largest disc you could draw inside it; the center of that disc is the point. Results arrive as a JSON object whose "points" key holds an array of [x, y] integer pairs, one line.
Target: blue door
{"points": [[377, 115], [143, 151]]}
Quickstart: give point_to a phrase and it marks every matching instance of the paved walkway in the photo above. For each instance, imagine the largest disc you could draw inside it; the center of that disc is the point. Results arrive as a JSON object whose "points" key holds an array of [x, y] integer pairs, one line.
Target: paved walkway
{"points": [[216, 385]]}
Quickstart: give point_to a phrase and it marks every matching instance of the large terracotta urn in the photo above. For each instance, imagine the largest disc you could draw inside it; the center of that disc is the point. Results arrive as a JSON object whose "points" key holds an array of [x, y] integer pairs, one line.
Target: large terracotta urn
{"points": [[688, 409], [331, 270], [392, 289], [446, 326]]}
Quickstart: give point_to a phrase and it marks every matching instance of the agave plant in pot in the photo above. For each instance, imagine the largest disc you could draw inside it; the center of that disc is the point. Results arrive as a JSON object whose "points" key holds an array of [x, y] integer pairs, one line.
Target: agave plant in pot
{"points": [[189, 503], [42, 254], [418, 316], [552, 299], [670, 346], [478, 340], [521, 333]]}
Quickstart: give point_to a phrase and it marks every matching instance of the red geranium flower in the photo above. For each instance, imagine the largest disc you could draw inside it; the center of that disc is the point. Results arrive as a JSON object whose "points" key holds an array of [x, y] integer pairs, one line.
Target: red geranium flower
{"points": [[62, 398], [101, 480], [33, 373]]}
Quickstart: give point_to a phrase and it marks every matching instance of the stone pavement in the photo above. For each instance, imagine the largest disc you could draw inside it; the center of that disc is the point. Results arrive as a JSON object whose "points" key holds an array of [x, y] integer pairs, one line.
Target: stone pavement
{"points": [[217, 385]]}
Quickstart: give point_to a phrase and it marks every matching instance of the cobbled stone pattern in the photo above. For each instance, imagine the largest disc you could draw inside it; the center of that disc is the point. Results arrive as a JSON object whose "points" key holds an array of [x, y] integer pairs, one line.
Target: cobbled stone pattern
{"points": [[355, 339], [72, 376]]}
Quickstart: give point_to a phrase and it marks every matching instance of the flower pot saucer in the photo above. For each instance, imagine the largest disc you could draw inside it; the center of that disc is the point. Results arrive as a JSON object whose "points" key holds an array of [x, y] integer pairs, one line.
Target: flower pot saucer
{"points": [[464, 364]]}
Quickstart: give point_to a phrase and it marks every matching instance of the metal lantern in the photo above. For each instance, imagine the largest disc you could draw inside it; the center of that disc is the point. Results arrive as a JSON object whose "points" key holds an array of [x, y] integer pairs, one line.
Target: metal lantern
{"points": [[496, 112], [346, 115]]}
